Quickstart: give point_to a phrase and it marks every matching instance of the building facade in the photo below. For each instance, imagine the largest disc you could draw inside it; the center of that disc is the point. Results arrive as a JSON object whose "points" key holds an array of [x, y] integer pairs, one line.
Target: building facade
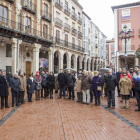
{"points": [[127, 14]]}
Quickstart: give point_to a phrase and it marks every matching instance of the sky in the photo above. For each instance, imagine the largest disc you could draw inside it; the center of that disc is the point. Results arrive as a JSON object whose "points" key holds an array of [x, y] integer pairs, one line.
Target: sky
{"points": [[101, 13]]}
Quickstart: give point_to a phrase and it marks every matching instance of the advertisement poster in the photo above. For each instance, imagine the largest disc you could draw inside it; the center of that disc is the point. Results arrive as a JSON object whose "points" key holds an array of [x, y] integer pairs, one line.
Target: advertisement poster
{"points": [[43, 63]]}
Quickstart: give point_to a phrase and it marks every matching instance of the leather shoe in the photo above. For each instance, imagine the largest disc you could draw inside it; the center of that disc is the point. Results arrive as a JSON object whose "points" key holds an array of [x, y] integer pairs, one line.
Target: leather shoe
{"points": [[107, 107], [17, 104], [137, 110], [2, 107], [7, 106], [87, 103]]}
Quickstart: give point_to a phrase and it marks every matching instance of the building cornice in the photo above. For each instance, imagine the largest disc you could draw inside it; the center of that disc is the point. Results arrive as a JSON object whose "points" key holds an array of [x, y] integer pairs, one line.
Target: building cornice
{"points": [[78, 4], [86, 15]]}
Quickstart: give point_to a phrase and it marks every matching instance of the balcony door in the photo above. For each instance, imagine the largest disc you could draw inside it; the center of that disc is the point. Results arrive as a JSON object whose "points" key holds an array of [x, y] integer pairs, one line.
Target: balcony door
{"points": [[57, 36], [28, 3], [45, 10], [45, 31], [27, 24], [3, 14], [66, 40]]}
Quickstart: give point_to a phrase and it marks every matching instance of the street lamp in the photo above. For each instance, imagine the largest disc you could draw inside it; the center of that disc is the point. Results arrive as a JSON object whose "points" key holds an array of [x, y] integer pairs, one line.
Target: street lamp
{"points": [[125, 34], [2, 42], [27, 47]]}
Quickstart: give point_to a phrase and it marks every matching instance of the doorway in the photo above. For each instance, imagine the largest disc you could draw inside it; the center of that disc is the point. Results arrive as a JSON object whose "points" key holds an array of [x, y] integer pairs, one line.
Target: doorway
{"points": [[28, 68]]}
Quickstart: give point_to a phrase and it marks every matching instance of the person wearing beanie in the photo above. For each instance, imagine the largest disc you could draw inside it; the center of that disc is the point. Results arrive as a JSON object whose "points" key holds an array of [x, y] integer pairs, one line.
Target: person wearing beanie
{"points": [[38, 86], [125, 86]]}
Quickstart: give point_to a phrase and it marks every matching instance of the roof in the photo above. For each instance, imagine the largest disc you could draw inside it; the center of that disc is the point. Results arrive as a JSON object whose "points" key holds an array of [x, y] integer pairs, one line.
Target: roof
{"points": [[126, 5], [78, 4], [86, 15]]}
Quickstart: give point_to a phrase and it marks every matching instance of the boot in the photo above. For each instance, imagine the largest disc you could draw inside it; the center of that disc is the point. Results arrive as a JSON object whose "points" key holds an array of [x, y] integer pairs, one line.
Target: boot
{"points": [[95, 101], [123, 104], [127, 104]]}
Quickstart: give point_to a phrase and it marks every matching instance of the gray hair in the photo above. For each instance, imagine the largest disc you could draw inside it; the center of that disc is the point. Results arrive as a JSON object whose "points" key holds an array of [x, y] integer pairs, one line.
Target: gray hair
{"points": [[15, 74], [96, 72]]}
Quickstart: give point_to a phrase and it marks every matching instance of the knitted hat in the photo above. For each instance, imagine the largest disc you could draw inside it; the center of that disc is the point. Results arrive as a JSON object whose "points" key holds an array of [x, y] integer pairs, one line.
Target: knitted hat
{"points": [[37, 72]]}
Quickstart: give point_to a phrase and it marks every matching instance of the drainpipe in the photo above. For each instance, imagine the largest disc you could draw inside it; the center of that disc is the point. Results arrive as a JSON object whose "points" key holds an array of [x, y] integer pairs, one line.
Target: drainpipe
{"points": [[21, 16]]}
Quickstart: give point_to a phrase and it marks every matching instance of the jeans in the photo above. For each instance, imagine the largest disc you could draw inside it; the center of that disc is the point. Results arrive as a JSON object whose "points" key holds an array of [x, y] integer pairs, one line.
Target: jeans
{"points": [[15, 94], [45, 92], [29, 97], [138, 98], [21, 97], [62, 89], [86, 92], [71, 90], [6, 101], [111, 95]]}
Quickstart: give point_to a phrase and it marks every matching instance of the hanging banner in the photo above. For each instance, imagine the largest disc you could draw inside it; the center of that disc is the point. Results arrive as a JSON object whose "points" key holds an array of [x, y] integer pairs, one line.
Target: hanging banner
{"points": [[43, 63]]}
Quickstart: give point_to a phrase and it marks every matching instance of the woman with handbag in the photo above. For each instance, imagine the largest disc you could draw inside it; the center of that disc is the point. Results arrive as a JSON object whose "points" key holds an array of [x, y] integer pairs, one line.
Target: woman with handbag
{"points": [[38, 87], [30, 87], [96, 87], [51, 84]]}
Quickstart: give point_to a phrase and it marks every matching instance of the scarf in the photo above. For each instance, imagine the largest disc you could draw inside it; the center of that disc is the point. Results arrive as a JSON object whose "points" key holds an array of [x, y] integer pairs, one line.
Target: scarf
{"points": [[38, 78], [31, 79], [5, 79]]}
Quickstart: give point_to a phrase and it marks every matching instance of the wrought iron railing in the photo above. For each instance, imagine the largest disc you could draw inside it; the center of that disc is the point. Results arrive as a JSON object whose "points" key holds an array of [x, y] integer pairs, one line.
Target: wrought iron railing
{"points": [[67, 10], [74, 31], [80, 34], [66, 26], [59, 4], [80, 20], [58, 22], [128, 48], [74, 15], [46, 15], [69, 45]]}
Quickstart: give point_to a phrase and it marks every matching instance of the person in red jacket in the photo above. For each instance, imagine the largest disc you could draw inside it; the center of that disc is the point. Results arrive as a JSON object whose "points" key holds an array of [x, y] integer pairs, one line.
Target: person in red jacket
{"points": [[128, 75]]}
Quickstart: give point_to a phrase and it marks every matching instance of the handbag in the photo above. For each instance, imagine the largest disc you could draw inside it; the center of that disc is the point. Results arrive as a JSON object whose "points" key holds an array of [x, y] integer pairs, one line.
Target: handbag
{"points": [[38, 87], [99, 88]]}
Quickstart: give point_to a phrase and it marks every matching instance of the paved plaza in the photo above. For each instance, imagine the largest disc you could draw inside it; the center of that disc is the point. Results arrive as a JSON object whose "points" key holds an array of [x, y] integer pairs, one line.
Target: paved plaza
{"points": [[61, 119]]}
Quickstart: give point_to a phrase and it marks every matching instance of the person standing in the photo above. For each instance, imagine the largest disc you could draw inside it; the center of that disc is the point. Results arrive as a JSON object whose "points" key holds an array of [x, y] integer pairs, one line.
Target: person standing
{"points": [[15, 86], [4, 90], [118, 74], [78, 89], [38, 86], [62, 83], [51, 83], [0, 72], [111, 83], [22, 87], [47, 88], [70, 80], [125, 86], [9, 76], [86, 83], [136, 79], [97, 81], [30, 87], [44, 85]]}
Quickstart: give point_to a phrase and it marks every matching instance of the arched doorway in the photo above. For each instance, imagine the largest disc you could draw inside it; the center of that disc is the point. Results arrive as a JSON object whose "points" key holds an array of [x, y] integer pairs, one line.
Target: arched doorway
{"points": [[88, 61], [95, 63], [56, 62], [91, 65], [72, 61], [83, 63], [78, 63], [64, 61]]}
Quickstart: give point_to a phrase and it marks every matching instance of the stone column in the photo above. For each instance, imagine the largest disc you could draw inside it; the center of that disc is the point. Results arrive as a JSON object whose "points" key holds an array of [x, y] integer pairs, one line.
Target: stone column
{"points": [[69, 63], [136, 61], [92, 65], [18, 47], [35, 62], [89, 66], [61, 61], [50, 61], [80, 64], [75, 64], [85, 65], [14, 55]]}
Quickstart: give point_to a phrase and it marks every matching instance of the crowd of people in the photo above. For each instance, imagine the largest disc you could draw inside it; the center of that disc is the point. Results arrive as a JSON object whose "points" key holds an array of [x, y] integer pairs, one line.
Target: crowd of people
{"points": [[86, 86]]}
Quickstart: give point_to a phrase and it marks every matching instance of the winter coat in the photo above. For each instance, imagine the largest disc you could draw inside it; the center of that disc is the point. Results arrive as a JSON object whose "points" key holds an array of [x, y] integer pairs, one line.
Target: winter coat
{"points": [[78, 87], [136, 79], [36, 83], [44, 80], [51, 82], [62, 80], [9, 76], [70, 78], [118, 74], [85, 82], [30, 86], [94, 85], [111, 83], [128, 75], [3, 87], [125, 86], [15, 84], [22, 83]]}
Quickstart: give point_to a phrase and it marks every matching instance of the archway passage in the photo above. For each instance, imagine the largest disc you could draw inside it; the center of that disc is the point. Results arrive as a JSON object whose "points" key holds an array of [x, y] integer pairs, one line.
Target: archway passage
{"points": [[91, 65], [72, 61], [95, 63], [78, 63], [64, 61], [56, 62], [83, 63]]}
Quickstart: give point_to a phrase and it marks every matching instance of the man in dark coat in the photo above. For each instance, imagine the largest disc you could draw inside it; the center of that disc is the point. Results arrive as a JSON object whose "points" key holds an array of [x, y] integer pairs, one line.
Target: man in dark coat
{"points": [[4, 90], [9, 76], [44, 84], [111, 83], [15, 86], [70, 80], [62, 83], [118, 74], [0, 72]]}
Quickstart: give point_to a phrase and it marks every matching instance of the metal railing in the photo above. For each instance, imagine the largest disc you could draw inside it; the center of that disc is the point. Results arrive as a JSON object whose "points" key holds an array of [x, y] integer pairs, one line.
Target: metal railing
{"points": [[59, 4], [80, 34], [80, 20], [46, 15], [74, 15], [128, 48], [66, 27], [11, 1], [23, 29], [69, 45], [74, 31], [67, 9], [28, 5], [58, 22]]}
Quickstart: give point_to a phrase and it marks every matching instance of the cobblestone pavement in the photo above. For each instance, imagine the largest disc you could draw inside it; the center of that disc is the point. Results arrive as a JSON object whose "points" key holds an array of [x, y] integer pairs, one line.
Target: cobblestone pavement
{"points": [[60, 119]]}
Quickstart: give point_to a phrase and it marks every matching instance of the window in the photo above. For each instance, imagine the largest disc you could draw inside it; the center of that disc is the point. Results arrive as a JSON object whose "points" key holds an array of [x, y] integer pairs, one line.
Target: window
{"points": [[73, 24], [73, 40], [57, 15], [45, 30], [66, 5], [27, 24], [28, 3], [57, 34], [3, 14], [78, 14], [79, 43], [125, 14], [66, 20], [8, 69], [79, 28], [66, 40], [8, 50], [73, 10], [45, 11]]}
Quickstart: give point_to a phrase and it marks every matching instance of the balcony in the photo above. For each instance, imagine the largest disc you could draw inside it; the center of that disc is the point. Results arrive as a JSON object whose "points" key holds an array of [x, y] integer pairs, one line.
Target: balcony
{"points": [[58, 22], [92, 54], [73, 31], [9, 28], [46, 16], [80, 34], [69, 45], [129, 48], [79, 20], [66, 27], [59, 4], [29, 6], [67, 10], [96, 36], [10, 1], [74, 15]]}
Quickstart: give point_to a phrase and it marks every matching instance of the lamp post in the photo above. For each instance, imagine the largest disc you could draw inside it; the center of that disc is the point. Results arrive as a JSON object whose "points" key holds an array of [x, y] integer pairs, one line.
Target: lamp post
{"points": [[125, 34]]}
